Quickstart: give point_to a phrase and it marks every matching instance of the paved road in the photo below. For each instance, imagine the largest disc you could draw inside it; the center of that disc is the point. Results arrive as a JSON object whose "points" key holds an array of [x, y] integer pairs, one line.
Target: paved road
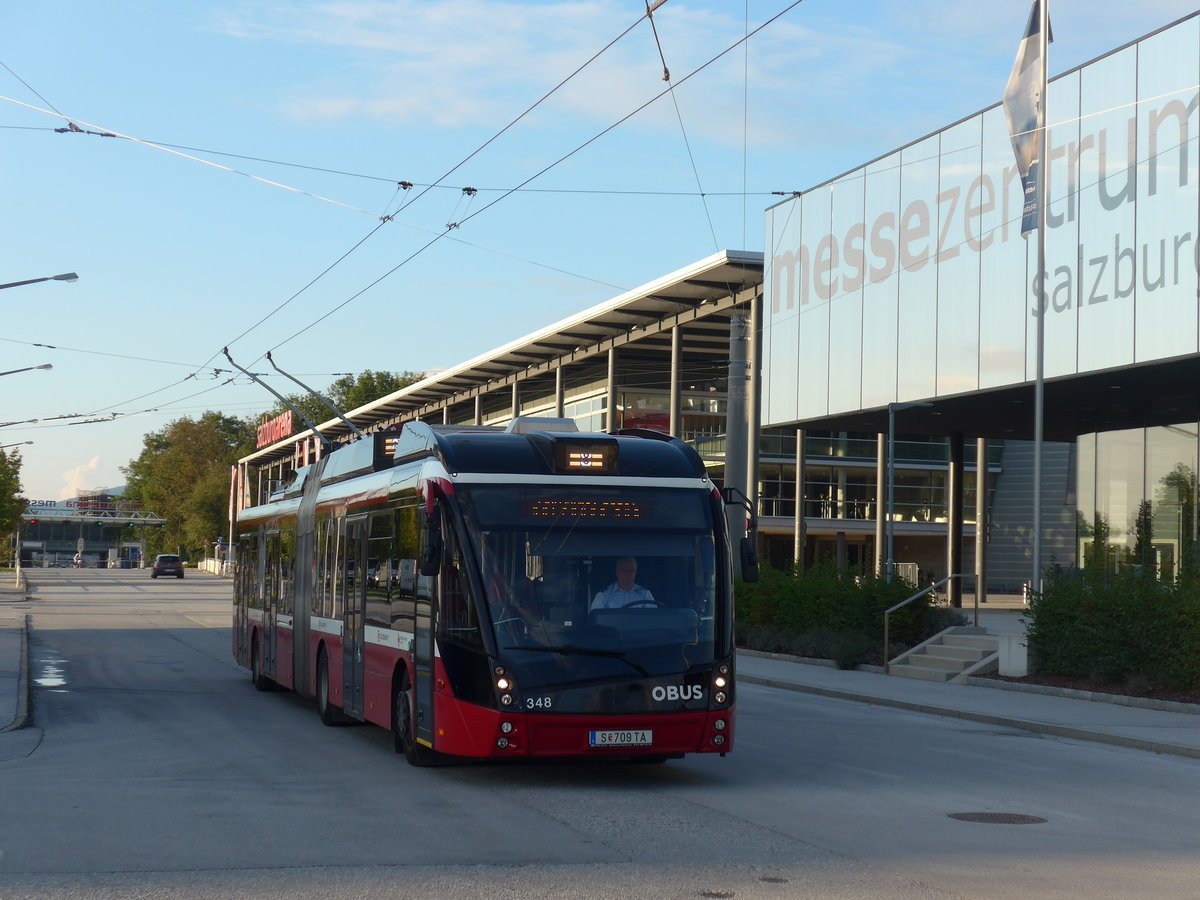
{"points": [[152, 768]]}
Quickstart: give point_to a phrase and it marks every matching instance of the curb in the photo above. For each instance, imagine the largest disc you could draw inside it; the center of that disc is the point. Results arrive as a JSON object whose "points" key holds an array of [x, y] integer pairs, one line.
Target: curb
{"points": [[22, 716], [984, 718], [1192, 709]]}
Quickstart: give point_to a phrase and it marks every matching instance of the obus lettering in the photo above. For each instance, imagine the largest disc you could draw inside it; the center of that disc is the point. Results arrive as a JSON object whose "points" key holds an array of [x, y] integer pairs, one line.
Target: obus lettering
{"points": [[675, 692]]}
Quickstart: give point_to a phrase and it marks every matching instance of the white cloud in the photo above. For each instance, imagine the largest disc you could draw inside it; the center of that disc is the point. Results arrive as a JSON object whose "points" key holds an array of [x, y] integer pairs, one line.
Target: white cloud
{"points": [[477, 63], [76, 479]]}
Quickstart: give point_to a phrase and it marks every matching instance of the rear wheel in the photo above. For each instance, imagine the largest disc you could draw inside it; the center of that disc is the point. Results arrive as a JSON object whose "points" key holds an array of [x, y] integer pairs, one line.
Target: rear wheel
{"points": [[403, 736], [260, 681], [330, 714]]}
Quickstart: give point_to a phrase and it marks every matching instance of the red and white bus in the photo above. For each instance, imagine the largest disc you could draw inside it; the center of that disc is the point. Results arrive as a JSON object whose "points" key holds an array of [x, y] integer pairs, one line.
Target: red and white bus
{"points": [[455, 584]]}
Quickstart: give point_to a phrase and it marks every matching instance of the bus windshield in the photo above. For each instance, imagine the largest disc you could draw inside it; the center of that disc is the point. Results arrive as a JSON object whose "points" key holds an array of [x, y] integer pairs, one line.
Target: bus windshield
{"points": [[596, 582]]}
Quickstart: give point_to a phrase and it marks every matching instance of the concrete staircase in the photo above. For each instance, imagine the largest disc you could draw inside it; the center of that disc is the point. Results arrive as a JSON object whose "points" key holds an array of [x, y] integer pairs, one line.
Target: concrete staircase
{"points": [[952, 655]]}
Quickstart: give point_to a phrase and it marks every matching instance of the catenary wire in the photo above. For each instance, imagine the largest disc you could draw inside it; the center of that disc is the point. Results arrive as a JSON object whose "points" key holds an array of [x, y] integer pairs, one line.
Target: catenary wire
{"points": [[386, 219], [683, 129], [537, 175]]}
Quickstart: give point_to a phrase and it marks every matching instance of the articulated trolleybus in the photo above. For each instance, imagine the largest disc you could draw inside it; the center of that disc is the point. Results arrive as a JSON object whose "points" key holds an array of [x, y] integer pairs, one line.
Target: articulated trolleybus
{"points": [[526, 592]]}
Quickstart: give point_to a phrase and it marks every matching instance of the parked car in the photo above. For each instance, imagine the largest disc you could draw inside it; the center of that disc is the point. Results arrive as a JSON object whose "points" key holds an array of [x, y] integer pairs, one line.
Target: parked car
{"points": [[167, 564]]}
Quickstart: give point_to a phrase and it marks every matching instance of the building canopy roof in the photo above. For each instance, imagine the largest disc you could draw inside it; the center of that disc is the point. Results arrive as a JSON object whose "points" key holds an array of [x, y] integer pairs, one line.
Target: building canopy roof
{"points": [[700, 295]]}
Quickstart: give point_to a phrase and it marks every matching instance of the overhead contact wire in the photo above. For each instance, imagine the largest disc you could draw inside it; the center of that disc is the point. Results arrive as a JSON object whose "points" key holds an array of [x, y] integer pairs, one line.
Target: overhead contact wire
{"points": [[539, 173], [682, 129]]}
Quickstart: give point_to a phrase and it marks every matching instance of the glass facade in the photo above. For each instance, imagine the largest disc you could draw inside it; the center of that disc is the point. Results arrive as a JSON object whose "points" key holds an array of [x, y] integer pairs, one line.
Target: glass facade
{"points": [[1137, 496], [908, 279]]}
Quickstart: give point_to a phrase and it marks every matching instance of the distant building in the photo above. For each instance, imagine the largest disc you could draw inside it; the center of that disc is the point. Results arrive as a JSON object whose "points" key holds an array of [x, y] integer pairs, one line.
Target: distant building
{"points": [[104, 529]]}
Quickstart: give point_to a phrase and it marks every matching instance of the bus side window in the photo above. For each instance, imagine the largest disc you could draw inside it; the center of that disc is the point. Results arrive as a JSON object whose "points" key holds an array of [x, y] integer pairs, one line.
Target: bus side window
{"points": [[457, 620], [380, 549], [403, 576]]}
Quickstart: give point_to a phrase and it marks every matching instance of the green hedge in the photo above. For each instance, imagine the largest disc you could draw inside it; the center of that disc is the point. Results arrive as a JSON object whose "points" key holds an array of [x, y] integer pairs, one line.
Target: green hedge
{"points": [[1118, 627], [821, 612]]}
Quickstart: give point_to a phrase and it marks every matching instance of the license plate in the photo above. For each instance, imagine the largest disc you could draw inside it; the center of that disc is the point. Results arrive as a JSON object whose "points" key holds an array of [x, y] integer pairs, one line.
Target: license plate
{"points": [[633, 737]]}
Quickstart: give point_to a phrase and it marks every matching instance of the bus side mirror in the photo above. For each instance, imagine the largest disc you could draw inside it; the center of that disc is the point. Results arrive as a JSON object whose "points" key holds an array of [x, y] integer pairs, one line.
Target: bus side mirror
{"points": [[749, 560], [431, 544]]}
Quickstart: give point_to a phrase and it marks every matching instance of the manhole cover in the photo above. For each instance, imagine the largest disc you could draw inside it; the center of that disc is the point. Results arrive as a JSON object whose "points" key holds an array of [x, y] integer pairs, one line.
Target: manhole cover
{"points": [[994, 818]]}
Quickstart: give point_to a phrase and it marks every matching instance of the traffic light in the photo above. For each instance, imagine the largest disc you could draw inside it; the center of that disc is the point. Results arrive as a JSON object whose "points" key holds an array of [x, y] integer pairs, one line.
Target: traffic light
{"points": [[162, 524], [33, 521]]}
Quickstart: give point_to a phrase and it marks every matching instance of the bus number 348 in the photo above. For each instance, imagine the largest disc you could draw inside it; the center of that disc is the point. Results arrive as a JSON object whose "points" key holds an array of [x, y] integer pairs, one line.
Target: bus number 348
{"points": [[537, 702]]}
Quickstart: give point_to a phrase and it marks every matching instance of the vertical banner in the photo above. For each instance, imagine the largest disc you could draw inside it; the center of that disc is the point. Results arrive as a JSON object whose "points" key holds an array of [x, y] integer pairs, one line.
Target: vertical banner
{"points": [[1024, 96]]}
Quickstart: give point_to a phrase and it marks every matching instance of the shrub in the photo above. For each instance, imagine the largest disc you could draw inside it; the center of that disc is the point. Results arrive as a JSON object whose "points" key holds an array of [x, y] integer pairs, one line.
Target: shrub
{"points": [[824, 613], [1117, 627]]}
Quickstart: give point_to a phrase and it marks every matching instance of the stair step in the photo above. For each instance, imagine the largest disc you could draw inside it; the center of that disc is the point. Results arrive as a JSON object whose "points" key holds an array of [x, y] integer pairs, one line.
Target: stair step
{"points": [[941, 663], [989, 643], [967, 654], [905, 670]]}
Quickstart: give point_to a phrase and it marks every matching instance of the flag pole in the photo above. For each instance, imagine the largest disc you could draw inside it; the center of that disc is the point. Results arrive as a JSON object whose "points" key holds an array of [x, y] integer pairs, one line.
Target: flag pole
{"points": [[1040, 374]]}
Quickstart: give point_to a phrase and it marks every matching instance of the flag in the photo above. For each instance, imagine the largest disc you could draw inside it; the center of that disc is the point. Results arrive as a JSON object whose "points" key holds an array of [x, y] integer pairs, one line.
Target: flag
{"points": [[1023, 101]]}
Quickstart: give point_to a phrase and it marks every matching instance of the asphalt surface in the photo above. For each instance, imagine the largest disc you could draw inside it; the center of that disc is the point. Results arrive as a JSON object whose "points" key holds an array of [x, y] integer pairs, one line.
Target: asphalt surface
{"points": [[1156, 726]]}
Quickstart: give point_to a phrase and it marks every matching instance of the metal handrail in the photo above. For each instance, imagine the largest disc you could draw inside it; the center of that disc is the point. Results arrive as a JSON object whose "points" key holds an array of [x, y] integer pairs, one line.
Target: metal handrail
{"points": [[887, 663]]}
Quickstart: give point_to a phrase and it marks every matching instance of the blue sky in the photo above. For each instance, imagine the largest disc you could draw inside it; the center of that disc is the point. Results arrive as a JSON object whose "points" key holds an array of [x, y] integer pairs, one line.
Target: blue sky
{"points": [[177, 258]]}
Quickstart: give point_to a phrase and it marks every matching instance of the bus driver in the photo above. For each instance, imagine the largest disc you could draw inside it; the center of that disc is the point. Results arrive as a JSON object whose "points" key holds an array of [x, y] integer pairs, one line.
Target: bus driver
{"points": [[624, 591]]}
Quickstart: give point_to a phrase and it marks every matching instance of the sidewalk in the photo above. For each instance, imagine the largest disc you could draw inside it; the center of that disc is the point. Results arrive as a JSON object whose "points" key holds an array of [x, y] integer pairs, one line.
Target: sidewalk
{"points": [[1158, 726], [14, 654]]}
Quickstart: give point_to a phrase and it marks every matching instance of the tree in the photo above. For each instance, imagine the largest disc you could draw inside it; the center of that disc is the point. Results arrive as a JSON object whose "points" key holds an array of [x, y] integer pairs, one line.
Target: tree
{"points": [[349, 392], [12, 504], [182, 474]]}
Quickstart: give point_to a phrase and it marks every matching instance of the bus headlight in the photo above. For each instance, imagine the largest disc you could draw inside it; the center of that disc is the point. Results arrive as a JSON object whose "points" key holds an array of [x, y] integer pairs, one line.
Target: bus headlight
{"points": [[722, 683], [719, 724]]}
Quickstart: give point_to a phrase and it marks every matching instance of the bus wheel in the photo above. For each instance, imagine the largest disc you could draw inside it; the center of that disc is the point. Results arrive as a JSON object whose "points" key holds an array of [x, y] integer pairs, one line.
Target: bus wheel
{"points": [[260, 681], [402, 728], [330, 715]]}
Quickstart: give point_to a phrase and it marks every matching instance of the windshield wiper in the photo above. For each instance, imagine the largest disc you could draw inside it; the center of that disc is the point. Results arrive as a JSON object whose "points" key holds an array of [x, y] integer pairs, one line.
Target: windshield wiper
{"points": [[572, 650]]}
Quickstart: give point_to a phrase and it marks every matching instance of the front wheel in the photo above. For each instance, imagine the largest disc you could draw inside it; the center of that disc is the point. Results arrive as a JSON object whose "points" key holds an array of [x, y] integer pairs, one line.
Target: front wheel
{"points": [[403, 736]]}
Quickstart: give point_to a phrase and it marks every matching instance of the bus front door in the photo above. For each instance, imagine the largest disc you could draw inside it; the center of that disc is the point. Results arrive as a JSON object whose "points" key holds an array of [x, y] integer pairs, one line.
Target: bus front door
{"points": [[423, 664]]}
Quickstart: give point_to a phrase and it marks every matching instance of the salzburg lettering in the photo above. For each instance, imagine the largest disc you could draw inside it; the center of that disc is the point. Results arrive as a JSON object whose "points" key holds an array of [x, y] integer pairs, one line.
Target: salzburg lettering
{"points": [[275, 429], [922, 233]]}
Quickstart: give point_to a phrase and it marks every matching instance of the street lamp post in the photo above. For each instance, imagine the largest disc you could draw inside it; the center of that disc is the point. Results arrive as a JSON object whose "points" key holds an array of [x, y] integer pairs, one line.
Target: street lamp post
{"points": [[66, 276], [28, 369], [17, 444], [893, 408]]}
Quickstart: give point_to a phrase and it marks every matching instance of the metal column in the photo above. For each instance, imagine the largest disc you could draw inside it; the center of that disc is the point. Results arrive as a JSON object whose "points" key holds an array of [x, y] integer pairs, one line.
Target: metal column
{"points": [[799, 528], [954, 519], [676, 376], [754, 401], [881, 451], [981, 519], [610, 407]]}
